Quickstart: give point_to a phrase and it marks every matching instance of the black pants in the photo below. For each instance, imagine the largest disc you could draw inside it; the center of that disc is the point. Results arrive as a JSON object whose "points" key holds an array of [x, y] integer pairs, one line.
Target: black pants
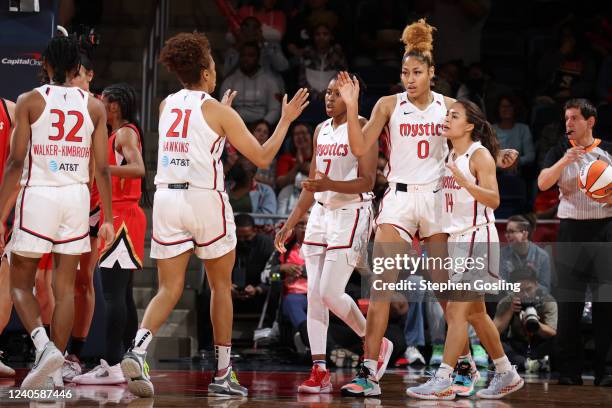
{"points": [[121, 315], [518, 350], [583, 258]]}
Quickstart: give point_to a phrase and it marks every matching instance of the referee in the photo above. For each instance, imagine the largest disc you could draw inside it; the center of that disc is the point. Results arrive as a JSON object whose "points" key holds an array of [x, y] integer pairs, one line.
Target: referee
{"points": [[584, 253]]}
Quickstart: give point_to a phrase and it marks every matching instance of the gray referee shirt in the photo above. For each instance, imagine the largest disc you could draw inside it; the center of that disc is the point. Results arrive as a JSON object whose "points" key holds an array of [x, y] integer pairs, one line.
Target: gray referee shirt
{"points": [[574, 204]]}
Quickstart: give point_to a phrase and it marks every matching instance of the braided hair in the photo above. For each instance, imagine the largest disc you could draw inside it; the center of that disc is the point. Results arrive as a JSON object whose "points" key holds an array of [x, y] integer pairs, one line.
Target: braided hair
{"points": [[124, 95], [63, 55]]}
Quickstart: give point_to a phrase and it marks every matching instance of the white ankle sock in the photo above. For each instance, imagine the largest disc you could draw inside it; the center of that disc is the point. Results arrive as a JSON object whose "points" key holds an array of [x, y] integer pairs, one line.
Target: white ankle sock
{"points": [[223, 356], [39, 338], [321, 363], [502, 364], [371, 365], [142, 340]]}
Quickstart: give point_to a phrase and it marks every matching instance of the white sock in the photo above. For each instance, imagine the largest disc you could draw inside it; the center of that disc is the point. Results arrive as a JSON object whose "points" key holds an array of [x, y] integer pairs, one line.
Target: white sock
{"points": [[223, 356], [39, 338], [142, 340], [371, 365], [444, 371], [502, 364], [321, 363]]}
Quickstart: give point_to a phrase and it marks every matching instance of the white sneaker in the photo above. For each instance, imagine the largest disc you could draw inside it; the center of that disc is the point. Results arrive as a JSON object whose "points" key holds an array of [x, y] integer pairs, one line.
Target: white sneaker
{"points": [[413, 355], [101, 375], [502, 385], [5, 371], [47, 361], [56, 378], [70, 369]]}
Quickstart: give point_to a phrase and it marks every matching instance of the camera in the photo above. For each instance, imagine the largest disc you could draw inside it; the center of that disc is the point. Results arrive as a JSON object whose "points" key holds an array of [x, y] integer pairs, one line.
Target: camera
{"points": [[529, 315]]}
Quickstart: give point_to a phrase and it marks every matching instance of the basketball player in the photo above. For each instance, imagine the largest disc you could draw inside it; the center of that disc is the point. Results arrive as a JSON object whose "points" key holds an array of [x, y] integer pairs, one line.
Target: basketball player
{"points": [[57, 128], [470, 194], [337, 233], [84, 293], [125, 253], [7, 118], [191, 211], [416, 163]]}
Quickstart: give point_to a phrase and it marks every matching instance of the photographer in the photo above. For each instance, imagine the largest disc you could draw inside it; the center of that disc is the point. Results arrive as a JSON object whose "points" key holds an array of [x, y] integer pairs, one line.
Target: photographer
{"points": [[527, 321], [522, 252]]}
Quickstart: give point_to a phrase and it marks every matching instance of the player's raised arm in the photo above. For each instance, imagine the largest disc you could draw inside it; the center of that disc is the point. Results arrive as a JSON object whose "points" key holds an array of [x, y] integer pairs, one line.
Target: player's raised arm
{"points": [[240, 137]]}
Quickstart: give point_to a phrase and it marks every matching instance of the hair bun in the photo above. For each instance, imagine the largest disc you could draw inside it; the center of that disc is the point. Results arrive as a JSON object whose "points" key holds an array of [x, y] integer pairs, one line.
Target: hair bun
{"points": [[418, 37]]}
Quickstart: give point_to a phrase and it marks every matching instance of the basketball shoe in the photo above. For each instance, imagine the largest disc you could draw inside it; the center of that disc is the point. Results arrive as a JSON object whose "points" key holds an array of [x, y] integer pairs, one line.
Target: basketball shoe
{"points": [[5, 371], [71, 368], [47, 361], [502, 385], [136, 371], [465, 380], [103, 374], [364, 384], [436, 388], [227, 384], [386, 349], [318, 383]]}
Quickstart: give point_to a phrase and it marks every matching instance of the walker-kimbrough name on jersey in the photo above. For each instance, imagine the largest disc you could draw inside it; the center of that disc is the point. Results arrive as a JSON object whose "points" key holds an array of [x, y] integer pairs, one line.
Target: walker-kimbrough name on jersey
{"points": [[420, 129], [176, 147], [334, 149], [60, 150]]}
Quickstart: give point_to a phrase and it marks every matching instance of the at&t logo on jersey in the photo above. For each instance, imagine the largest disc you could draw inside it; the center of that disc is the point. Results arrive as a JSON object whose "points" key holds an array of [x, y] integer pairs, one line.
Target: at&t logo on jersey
{"points": [[420, 129], [166, 161], [55, 166]]}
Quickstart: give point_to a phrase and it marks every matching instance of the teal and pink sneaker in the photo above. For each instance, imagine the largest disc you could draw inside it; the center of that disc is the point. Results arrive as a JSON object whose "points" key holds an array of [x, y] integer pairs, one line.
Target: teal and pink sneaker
{"points": [[363, 385]]}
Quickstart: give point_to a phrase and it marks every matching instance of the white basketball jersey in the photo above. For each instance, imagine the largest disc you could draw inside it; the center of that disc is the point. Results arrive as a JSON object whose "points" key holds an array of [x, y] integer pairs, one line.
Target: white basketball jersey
{"points": [[335, 158], [461, 211], [60, 145], [189, 150], [415, 141]]}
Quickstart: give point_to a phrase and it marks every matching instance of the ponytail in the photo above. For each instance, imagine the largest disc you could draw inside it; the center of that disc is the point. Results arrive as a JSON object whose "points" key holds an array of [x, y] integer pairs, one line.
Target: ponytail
{"points": [[483, 131]]}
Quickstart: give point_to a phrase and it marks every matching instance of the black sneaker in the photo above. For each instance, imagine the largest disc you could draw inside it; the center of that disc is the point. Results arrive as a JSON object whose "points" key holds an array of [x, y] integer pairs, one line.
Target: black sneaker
{"points": [[570, 380]]}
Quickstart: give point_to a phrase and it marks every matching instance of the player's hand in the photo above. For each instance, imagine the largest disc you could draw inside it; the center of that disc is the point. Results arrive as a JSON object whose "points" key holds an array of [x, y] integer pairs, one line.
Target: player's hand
{"points": [[228, 97], [291, 271], [507, 158], [458, 174], [295, 107], [281, 237], [235, 292], [516, 304], [573, 154], [249, 291], [320, 183], [107, 232], [605, 200], [349, 88]]}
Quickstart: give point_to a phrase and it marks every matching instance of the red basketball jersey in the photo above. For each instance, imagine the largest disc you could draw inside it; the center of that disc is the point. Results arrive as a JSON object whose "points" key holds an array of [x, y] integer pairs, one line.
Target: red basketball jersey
{"points": [[124, 189], [5, 135]]}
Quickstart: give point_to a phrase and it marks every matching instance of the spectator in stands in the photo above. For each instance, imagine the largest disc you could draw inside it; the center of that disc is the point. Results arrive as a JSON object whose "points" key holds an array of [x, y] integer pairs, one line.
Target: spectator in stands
{"points": [[320, 61], [566, 71], [527, 339], [481, 89], [462, 23], [510, 133], [295, 285], [271, 57], [273, 20], [448, 79], [248, 292], [604, 81], [258, 92], [297, 159], [262, 130], [246, 195], [379, 25], [316, 12], [521, 252]]}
